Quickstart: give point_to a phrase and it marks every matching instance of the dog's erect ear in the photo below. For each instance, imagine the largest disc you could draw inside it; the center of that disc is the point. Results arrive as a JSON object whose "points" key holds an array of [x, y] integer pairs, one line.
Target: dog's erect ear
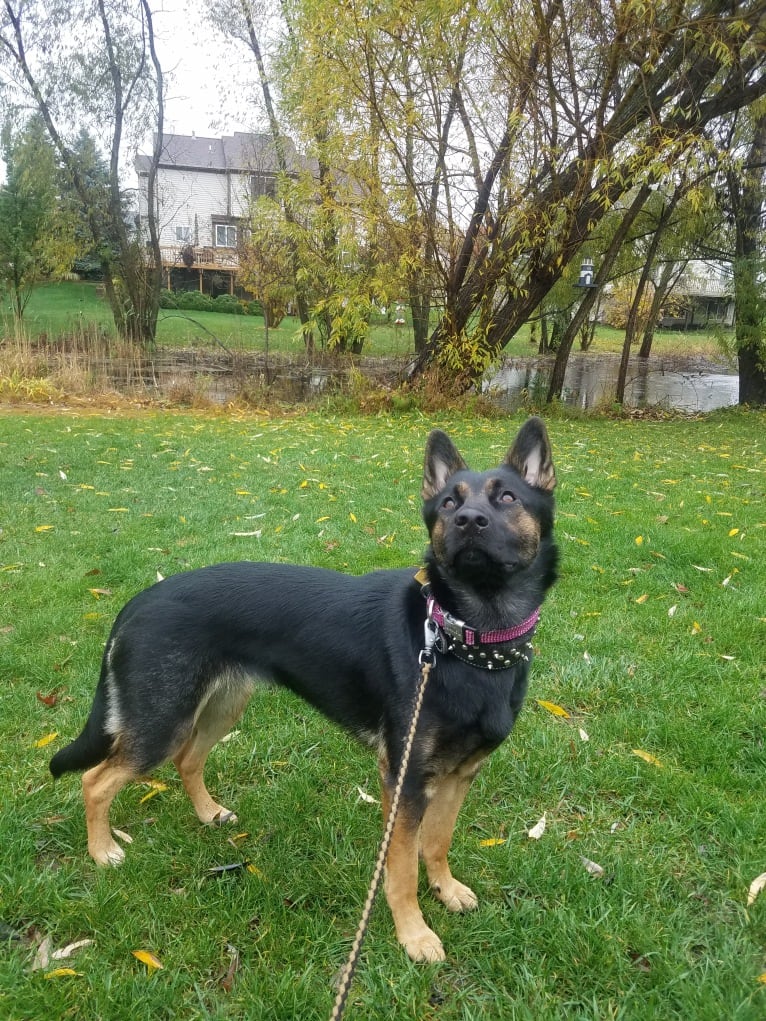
{"points": [[531, 456], [441, 462]]}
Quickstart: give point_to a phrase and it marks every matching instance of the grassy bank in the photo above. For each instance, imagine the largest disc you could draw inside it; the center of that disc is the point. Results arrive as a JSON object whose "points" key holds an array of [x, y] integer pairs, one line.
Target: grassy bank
{"points": [[69, 308], [652, 643]]}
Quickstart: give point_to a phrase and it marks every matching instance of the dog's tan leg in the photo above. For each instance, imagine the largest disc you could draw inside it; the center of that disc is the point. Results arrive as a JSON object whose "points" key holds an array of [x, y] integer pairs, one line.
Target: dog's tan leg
{"points": [[401, 884], [100, 786], [213, 723], [436, 836]]}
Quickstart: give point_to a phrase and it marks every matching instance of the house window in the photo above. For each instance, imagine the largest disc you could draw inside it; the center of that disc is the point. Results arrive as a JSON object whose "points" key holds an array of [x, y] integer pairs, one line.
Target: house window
{"points": [[183, 235], [225, 236], [263, 184]]}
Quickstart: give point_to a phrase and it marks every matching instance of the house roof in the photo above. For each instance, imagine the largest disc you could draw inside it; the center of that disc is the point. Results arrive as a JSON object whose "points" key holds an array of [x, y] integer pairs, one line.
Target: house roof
{"points": [[243, 151]]}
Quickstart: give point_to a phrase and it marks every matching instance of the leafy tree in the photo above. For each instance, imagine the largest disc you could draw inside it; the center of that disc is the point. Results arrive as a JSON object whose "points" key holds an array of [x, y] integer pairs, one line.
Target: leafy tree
{"points": [[94, 62], [36, 234], [265, 261], [500, 136]]}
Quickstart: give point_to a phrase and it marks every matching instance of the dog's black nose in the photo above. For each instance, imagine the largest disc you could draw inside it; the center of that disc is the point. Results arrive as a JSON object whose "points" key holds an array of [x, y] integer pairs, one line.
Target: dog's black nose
{"points": [[469, 519]]}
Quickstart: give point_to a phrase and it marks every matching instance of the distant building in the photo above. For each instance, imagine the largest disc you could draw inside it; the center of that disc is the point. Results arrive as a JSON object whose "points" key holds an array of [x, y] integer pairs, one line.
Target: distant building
{"points": [[704, 294], [204, 187]]}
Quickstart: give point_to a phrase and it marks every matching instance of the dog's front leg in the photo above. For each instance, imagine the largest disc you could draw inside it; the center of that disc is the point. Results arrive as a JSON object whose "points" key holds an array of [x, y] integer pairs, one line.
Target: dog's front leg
{"points": [[401, 884], [436, 837]]}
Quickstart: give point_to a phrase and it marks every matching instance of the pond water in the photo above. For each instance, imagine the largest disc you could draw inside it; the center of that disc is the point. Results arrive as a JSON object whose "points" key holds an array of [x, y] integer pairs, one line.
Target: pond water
{"points": [[679, 384]]}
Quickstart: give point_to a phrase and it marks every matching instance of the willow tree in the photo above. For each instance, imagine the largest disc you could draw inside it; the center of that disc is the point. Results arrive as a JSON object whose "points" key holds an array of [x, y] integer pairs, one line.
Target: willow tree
{"points": [[93, 62], [499, 136]]}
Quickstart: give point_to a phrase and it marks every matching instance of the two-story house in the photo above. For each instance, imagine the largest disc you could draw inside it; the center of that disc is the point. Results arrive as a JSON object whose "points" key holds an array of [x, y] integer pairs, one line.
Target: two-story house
{"points": [[204, 187]]}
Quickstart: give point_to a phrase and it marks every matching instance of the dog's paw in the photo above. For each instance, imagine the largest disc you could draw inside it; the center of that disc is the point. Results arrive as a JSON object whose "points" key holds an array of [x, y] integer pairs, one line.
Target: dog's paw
{"points": [[456, 896], [424, 947], [223, 817], [107, 854]]}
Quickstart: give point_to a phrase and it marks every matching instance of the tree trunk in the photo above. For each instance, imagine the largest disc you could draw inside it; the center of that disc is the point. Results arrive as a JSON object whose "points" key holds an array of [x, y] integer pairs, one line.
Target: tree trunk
{"points": [[668, 278], [631, 326], [610, 255], [301, 298], [747, 200]]}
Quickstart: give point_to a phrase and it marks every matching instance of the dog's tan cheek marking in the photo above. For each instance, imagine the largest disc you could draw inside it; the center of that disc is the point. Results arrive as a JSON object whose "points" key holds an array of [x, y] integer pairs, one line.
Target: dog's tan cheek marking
{"points": [[526, 531], [437, 538]]}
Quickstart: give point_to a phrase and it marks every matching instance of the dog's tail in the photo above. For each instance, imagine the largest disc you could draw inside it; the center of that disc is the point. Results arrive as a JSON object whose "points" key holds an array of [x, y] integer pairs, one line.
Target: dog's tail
{"points": [[92, 746]]}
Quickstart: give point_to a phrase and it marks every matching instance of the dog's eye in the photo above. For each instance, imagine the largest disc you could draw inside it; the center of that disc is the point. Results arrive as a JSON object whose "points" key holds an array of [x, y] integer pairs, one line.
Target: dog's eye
{"points": [[507, 497], [448, 503]]}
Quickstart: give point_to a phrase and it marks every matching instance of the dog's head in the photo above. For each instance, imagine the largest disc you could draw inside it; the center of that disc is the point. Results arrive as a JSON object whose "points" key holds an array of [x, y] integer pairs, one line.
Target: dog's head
{"points": [[489, 528]]}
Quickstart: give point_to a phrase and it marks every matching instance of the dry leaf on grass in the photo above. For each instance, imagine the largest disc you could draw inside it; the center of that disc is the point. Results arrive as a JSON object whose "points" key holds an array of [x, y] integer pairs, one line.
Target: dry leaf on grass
{"points": [[758, 884], [538, 829], [368, 798], [45, 954], [226, 981], [69, 949], [592, 867]]}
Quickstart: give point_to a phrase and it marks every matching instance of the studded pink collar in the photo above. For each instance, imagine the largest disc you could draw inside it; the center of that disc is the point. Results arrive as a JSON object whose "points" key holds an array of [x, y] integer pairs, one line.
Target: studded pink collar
{"points": [[459, 631]]}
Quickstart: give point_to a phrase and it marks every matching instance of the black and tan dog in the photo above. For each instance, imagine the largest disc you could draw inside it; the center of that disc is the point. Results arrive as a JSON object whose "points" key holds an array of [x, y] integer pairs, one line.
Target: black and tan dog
{"points": [[184, 656]]}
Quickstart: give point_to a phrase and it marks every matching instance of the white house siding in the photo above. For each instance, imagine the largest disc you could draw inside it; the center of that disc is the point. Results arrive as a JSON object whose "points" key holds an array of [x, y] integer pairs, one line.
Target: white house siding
{"points": [[183, 195]]}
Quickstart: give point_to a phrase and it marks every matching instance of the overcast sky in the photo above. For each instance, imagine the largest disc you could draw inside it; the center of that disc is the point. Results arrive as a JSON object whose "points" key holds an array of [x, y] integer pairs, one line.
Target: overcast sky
{"points": [[207, 94]]}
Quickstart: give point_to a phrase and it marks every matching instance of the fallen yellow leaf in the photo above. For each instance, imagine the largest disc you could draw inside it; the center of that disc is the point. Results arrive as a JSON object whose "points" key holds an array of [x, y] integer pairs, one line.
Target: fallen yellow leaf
{"points": [[639, 540], [156, 788], [146, 957], [647, 757], [492, 842], [643, 598], [553, 708], [46, 740], [43, 528], [62, 972]]}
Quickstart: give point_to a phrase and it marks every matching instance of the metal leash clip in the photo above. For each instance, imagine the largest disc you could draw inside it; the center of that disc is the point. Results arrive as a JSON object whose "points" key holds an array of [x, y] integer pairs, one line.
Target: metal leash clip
{"points": [[431, 636]]}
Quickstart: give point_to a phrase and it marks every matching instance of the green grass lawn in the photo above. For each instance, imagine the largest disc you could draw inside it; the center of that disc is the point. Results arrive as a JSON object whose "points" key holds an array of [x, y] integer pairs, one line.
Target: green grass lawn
{"points": [[68, 307], [652, 641]]}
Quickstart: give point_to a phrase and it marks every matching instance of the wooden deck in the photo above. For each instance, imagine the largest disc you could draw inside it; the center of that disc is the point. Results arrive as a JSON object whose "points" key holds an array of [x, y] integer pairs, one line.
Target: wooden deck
{"points": [[204, 258], [207, 259]]}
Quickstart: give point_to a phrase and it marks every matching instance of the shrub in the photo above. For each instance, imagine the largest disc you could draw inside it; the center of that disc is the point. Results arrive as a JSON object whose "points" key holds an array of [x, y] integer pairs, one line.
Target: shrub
{"points": [[227, 303], [168, 299], [254, 308], [195, 301]]}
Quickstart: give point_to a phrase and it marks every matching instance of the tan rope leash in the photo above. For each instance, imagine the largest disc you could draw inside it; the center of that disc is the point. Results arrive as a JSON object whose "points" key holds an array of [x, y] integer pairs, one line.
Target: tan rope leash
{"points": [[344, 986]]}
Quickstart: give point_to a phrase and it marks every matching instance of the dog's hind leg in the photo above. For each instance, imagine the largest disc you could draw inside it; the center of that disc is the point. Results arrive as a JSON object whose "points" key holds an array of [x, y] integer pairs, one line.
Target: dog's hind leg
{"points": [[436, 833], [216, 719], [100, 786]]}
